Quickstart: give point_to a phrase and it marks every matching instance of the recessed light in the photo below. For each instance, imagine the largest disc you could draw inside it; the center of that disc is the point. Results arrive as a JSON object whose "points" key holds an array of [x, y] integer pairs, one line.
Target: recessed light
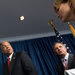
{"points": [[21, 18]]}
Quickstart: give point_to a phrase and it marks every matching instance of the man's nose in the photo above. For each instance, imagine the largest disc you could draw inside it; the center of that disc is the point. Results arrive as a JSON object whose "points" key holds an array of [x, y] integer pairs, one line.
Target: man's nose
{"points": [[58, 49]]}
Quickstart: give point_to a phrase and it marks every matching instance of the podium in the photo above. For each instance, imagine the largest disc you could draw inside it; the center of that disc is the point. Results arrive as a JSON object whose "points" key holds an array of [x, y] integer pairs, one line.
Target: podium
{"points": [[69, 72]]}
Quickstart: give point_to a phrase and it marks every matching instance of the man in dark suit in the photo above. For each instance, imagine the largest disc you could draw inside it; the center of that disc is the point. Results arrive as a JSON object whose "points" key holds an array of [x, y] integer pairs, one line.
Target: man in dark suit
{"points": [[67, 60], [18, 63]]}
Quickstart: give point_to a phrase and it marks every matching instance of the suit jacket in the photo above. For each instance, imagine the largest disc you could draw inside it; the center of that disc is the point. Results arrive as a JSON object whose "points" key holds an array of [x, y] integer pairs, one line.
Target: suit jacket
{"points": [[20, 64], [71, 61], [71, 64]]}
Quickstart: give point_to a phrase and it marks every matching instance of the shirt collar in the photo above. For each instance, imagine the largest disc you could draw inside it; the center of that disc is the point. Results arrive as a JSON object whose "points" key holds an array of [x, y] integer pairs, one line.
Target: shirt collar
{"points": [[66, 57], [10, 56]]}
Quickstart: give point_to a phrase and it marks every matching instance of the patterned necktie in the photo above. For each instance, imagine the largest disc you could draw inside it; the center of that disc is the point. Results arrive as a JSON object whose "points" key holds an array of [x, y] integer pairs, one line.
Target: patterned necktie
{"points": [[8, 64], [65, 64]]}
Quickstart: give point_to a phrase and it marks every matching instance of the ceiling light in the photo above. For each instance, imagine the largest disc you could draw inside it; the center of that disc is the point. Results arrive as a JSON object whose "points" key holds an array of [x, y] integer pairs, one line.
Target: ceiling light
{"points": [[21, 18]]}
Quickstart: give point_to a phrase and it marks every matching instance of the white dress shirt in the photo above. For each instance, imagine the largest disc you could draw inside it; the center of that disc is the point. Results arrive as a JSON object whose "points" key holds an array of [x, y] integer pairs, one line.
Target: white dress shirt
{"points": [[10, 56], [66, 58]]}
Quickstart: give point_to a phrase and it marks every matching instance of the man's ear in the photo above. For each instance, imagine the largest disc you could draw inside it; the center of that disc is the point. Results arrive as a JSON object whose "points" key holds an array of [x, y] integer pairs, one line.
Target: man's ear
{"points": [[70, 3]]}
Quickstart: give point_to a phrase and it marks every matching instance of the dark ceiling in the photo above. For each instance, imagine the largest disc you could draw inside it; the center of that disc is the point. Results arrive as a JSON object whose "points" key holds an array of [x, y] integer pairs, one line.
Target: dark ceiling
{"points": [[36, 12]]}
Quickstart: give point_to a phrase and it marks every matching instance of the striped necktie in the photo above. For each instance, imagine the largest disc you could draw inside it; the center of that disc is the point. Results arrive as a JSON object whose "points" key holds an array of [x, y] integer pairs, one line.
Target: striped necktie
{"points": [[65, 64], [8, 64]]}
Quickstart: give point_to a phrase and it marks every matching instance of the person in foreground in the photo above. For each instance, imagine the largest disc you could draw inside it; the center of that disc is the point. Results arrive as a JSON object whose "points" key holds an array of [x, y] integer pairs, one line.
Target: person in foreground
{"points": [[67, 60], [65, 9], [18, 63]]}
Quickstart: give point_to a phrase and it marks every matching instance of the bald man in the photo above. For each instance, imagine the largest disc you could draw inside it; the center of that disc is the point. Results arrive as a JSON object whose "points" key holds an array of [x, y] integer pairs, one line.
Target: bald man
{"points": [[18, 64]]}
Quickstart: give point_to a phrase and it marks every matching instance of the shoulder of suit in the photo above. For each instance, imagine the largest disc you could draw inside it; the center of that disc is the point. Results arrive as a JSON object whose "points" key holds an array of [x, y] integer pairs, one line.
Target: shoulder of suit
{"points": [[71, 55], [20, 53]]}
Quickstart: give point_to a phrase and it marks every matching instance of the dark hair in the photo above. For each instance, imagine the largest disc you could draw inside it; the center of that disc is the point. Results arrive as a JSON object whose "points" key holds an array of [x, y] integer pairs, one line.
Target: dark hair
{"points": [[58, 42]]}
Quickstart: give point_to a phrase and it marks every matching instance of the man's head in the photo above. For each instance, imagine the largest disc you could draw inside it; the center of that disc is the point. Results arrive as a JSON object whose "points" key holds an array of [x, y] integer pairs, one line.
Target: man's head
{"points": [[60, 49], [6, 48], [65, 9]]}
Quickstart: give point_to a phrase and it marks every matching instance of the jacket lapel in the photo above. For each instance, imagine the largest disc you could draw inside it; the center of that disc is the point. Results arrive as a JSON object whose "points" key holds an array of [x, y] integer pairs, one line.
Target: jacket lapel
{"points": [[70, 60], [12, 62]]}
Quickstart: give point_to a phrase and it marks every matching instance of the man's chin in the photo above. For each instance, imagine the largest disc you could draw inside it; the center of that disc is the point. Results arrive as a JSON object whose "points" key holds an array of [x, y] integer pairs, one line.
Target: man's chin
{"points": [[62, 55]]}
